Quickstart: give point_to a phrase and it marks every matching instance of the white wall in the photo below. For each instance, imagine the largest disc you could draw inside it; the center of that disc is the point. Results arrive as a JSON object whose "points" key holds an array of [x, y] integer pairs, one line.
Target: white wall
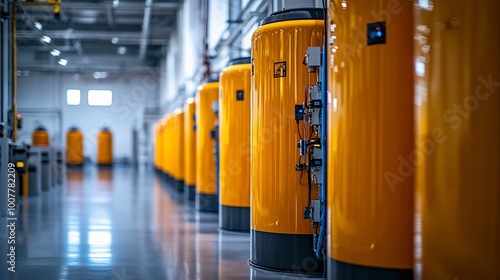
{"points": [[42, 95], [184, 57]]}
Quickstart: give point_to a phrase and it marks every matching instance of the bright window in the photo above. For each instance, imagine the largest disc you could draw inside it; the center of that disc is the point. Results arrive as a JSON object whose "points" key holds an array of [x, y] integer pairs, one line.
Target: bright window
{"points": [[100, 97], [73, 97]]}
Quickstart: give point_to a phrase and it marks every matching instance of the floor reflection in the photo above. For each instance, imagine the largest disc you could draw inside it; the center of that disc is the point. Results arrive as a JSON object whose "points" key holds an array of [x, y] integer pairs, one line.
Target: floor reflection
{"points": [[124, 223], [194, 247]]}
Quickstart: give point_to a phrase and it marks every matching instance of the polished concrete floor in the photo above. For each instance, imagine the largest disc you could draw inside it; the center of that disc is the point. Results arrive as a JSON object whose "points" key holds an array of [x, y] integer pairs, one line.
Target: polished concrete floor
{"points": [[124, 223]]}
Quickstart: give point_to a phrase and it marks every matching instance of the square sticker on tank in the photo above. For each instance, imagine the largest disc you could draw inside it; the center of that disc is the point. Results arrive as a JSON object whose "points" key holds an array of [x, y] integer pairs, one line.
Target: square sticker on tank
{"points": [[280, 69], [376, 33], [240, 95]]}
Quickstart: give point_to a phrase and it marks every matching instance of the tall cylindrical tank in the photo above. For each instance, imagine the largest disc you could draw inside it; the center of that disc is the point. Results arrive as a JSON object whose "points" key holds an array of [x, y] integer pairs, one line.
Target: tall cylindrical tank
{"points": [[157, 147], [105, 147], [190, 149], [74, 147], [206, 190], [281, 238], [178, 131], [163, 148], [40, 137], [166, 146], [457, 65], [172, 146], [234, 142], [370, 137]]}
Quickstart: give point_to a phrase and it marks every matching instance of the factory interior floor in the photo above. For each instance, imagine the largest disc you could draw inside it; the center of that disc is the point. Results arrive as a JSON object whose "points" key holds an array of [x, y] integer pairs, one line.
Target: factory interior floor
{"points": [[125, 223]]}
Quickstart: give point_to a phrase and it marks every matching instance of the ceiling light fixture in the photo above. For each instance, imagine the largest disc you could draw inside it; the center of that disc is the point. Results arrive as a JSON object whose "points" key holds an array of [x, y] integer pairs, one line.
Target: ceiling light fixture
{"points": [[114, 40], [46, 39], [55, 52], [63, 62], [38, 25], [122, 50], [100, 75], [115, 3]]}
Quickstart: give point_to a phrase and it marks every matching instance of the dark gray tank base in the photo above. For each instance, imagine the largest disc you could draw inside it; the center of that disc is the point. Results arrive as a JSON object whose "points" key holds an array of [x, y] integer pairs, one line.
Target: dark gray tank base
{"points": [[347, 271], [234, 218], [207, 202], [179, 185], [189, 192], [289, 253], [74, 165]]}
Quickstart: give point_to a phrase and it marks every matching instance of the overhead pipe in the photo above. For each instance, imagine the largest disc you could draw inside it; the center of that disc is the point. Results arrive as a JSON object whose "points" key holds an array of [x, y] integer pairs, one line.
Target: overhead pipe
{"points": [[246, 17], [145, 29], [234, 11], [206, 60]]}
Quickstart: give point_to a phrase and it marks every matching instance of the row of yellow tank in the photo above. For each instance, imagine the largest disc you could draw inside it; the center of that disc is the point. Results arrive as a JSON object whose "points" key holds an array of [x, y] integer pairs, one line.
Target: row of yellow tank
{"points": [[74, 145], [413, 140], [186, 142]]}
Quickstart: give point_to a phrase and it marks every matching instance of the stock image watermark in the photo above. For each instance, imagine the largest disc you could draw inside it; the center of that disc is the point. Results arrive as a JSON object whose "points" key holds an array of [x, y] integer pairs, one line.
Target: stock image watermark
{"points": [[454, 116], [11, 217]]}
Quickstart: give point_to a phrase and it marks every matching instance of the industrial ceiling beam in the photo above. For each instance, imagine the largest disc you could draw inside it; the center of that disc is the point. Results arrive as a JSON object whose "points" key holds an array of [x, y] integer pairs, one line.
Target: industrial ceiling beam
{"points": [[121, 6], [109, 16], [91, 35], [145, 29], [110, 69]]}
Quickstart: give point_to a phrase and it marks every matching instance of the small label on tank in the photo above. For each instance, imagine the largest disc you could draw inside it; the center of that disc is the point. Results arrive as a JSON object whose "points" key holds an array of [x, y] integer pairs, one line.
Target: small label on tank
{"points": [[240, 95], [376, 33], [280, 69]]}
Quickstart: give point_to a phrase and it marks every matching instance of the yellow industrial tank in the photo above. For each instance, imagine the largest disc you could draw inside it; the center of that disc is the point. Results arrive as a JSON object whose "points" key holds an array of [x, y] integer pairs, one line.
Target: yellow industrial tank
{"points": [[206, 190], [172, 147], [190, 149], [281, 238], [40, 137], [105, 147], [234, 143], [157, 147], [162, 146], [167, 147], [370, 138], [457, 74], [178, 134], [74, 147]]}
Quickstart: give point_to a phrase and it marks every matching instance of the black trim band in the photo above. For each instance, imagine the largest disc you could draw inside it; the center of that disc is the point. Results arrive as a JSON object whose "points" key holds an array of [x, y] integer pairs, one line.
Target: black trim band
{"points": [[241, 60], [207, 202], [234, 218], [294, 14], [347, 271], [291, 253], [189, 192], [179, 185]]}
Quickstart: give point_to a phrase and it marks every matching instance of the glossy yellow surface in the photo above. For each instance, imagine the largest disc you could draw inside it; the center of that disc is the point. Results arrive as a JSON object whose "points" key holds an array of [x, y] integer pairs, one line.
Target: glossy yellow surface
{"points": [[157, 151], [234, 143], [277, 197], [371, 135], [458, 129], [178, 128], [74, 147], [172, 147], [104, 147], [205, 121], [167, 145], [40, 138], [190, 143], [163, 148]]}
